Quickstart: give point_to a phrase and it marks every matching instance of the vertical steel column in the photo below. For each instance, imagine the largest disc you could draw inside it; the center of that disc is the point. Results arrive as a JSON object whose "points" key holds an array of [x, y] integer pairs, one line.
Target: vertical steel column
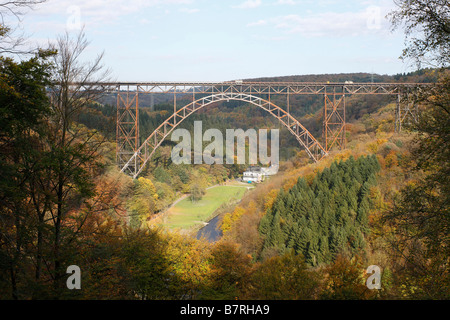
{"points": [[407, 110], [137, 143], [334, 121], [118, 132], [175, 107], [398, 114], [288, 104], [127, 130]]}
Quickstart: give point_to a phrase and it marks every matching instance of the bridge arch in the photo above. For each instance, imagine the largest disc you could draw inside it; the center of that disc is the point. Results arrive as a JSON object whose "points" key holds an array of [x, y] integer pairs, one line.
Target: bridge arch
{"points": [[143, 154]]}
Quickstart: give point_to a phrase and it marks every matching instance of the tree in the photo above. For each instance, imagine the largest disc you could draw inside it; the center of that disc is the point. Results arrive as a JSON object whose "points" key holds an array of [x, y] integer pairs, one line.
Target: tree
{"points": [[70, 156], [50, 162], [143, 203], [9, 42], [284, 277], [324, 218], [23, 108], [427, 29], [197, 192], [189, 260], [230, 272], [230, 218], [61, 168], [344, 280], [145, 266], [420, 215]]}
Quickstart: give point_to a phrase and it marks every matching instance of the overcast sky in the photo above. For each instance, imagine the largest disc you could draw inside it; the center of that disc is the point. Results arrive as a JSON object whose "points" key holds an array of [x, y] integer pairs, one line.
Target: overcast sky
{"points": [[215, 40]]}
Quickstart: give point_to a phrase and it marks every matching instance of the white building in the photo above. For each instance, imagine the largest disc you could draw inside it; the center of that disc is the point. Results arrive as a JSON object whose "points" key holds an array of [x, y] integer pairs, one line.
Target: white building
{"points": [[258, 174], [252, 176]]}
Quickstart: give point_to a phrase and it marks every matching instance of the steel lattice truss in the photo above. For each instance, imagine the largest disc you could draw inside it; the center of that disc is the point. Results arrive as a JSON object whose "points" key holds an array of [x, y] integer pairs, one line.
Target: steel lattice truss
{"points": [[143, 154], [133, 156], [334, 121], [258, 88]]}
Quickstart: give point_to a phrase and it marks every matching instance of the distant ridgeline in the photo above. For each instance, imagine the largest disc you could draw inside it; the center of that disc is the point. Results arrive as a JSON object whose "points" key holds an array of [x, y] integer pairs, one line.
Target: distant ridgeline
{"points": [[326, 218]]}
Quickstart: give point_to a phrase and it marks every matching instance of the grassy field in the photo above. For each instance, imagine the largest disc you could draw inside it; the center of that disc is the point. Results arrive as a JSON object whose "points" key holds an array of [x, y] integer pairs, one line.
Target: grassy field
{"points": [[186, 214]]}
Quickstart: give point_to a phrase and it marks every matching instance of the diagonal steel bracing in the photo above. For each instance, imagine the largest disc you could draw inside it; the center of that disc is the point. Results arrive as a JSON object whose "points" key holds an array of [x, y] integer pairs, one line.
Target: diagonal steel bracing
{"points": [[132, 156], [139, 159], [334, 121]]}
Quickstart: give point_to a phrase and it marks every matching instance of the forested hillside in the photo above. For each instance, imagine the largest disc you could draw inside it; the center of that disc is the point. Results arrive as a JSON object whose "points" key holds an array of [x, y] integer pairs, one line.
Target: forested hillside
{"points": [[309, 232], [326, 217]]}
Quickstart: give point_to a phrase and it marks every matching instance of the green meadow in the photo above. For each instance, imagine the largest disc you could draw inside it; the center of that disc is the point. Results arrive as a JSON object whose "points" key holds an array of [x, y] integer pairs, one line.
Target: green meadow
{"points": [[186, 214]]}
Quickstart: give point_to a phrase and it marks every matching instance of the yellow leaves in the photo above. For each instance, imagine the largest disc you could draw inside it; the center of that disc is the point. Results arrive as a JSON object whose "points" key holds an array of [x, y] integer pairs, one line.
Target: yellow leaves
{"points": [[230, 218], [409, 288], [345, 279], [384, 127], [147, 185], [189, 258], [343, 155], [433, 98], [289, 183], [373, 147], [310, 178], [143, 203], [269, 199], [226, 222]]}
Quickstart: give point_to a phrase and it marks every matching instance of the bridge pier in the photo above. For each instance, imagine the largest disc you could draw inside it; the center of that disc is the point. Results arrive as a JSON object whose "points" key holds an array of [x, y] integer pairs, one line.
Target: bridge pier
{"points": [[127, 131], [406, 111], [334, 121]]}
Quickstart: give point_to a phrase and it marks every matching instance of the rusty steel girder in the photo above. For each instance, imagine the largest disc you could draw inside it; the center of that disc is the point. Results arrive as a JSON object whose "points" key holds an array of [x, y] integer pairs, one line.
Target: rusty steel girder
{"points": [[143, 154], [133, 156]]}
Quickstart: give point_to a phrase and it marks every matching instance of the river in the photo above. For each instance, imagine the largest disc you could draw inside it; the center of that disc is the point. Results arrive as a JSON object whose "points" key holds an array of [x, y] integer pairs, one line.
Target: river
{"points": [[211, 231]]}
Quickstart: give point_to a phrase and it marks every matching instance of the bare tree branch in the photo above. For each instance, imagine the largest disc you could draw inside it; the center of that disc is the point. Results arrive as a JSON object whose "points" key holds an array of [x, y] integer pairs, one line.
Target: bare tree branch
{"points": [[10, 41], [75, 79], [426, 25]]}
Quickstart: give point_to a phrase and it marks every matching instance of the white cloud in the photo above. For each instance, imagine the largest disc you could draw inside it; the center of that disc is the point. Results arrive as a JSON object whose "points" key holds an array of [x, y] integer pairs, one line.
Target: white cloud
{"points": [[102, 10], [369, 21], [266, 38], [144, 21], [189, 11], [72, 15], [290, 2], [257, 23], [249, 4]]}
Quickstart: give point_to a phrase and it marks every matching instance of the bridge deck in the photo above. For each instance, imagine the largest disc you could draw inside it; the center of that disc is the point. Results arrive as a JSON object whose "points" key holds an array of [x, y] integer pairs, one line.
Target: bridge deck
{"points": [[257, 87]]}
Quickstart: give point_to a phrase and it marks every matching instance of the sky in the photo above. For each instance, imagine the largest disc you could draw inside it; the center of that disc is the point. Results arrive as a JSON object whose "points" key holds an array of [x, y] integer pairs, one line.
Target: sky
{"points": [[221, 40]]}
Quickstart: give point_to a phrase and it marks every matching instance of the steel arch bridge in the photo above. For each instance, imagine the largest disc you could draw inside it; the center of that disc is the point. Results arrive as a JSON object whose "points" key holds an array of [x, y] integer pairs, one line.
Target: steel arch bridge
{"points": [[133, 156], [143, 154]]}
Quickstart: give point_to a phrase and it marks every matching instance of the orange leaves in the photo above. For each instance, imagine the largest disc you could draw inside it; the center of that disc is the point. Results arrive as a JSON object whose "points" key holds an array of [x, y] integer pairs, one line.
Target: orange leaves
{"points": [[345, 280], [269, 199], [391, 160]]}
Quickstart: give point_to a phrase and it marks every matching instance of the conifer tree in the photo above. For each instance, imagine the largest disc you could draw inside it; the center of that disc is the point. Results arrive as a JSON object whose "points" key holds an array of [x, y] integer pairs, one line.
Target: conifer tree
{"points": [[325, 218]]}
